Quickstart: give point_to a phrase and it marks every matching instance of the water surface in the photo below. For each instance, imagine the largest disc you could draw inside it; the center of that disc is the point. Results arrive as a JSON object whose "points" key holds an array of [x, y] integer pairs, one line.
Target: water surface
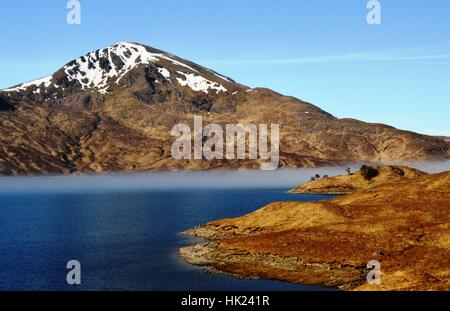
{"points": [[124, 239]]}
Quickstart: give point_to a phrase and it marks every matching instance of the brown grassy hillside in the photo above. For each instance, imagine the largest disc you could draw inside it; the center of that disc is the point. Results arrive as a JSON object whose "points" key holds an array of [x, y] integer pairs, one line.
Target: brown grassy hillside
{"points": [[404, 225], [366, 177]]}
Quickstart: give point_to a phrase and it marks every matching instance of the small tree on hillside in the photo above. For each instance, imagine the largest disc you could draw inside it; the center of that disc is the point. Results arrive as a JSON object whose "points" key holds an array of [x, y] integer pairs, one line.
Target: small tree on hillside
{"points": [[316, 177], [369, 172]]}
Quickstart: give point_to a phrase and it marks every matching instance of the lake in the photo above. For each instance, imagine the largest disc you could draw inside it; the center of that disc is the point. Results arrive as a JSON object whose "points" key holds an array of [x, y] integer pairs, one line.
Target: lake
{"points": [[125, 237]]}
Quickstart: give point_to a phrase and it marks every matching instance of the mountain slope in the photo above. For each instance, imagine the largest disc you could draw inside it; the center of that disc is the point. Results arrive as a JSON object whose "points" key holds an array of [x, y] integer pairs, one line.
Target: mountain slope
{"points": [[113, 109]]}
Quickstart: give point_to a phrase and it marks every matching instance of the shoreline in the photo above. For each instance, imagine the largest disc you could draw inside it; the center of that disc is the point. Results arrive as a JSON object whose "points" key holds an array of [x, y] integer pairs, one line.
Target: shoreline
{"points": [[404, 225], [267, 267]]}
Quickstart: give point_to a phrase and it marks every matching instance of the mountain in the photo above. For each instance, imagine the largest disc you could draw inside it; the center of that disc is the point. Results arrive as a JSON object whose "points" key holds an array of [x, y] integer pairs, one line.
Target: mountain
{"points": [[446, 138], [404, 225], [366, 177], [113, 110]]}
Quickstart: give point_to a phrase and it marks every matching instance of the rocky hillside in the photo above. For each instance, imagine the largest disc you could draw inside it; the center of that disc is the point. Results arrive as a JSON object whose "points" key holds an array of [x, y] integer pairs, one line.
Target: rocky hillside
{"points": [[366, 177], [446, 138], [404, 225], [113, 109]]}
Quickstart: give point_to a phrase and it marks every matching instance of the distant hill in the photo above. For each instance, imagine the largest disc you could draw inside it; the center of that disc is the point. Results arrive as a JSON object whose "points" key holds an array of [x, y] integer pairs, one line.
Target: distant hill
{"points": [[365, 178]]}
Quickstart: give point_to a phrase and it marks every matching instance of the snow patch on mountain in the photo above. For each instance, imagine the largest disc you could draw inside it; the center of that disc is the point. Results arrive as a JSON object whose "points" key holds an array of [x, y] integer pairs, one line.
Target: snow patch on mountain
{"points": [[97, 68], [92, 71], [199, 83], [165, 73], [175, 62], [221, 77], [47, 81]]}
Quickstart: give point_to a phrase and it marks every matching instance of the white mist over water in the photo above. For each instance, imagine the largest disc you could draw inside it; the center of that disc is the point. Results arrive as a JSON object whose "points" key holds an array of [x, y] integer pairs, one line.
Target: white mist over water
{"points": [[282, 178], [163, 181], [431, 167]]}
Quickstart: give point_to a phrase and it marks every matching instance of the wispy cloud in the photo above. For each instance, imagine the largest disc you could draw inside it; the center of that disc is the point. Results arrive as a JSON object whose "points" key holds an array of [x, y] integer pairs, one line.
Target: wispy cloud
{"points": [[429, 57], [349, 57]]}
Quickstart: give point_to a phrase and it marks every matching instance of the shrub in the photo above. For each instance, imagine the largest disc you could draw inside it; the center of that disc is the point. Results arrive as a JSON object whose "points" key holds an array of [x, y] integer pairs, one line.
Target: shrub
{"points": [[317, 177], [369, 172]]}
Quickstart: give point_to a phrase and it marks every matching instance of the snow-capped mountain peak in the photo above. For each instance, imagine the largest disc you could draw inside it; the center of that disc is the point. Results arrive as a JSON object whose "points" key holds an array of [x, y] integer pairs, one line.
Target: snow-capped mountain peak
{"points": [[100, 69]]}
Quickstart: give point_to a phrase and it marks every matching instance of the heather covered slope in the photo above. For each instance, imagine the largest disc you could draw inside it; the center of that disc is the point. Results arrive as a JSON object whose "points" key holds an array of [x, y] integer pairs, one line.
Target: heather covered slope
{"points": [[404, 225], [366, 177], [113, 109]]}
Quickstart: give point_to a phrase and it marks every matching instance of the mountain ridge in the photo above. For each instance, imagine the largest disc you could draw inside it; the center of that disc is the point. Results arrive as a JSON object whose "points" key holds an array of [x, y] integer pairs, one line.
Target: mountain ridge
{"points": [[112, 110]]}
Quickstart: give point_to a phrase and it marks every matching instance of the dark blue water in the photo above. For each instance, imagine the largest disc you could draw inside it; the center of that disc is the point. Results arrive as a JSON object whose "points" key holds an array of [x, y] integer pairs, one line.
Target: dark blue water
{"points": [[124, 240]]}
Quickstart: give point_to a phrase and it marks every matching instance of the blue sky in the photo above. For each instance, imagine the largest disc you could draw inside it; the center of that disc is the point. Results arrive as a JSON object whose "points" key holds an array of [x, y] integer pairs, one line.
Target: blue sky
{"points": [[321, 51]]}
